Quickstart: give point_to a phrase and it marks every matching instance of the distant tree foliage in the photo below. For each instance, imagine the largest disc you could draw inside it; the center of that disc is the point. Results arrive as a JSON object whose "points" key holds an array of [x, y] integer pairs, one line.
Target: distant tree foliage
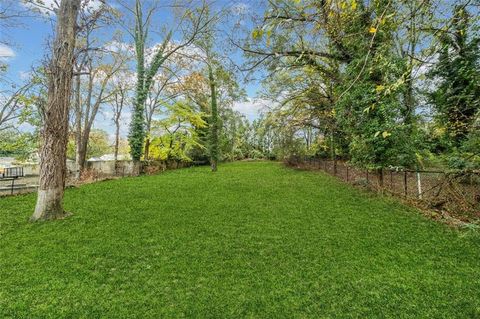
{"points": [[378, 83]]}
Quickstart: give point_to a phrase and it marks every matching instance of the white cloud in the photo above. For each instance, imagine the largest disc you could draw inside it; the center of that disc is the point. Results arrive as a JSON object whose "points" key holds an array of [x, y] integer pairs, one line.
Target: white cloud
{"points": [[252, 108], [6, 52], [240, 8], [105, 122], [47, 7], [191, 54], [25, 75], [117, 46]]}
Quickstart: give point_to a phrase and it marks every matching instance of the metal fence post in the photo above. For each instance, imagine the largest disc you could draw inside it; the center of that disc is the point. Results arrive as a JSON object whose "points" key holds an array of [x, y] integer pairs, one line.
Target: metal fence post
{"points": [[405, 183], [419, 185], [391, 180], [381, 177]]}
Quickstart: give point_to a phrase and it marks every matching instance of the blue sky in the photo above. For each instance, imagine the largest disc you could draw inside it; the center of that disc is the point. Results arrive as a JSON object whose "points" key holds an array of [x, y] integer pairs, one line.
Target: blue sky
{"points": [[27, 44]]}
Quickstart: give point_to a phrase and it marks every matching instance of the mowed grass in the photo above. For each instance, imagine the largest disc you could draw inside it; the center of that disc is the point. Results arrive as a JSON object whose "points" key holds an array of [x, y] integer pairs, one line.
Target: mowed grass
{"points": [[253, 240]]}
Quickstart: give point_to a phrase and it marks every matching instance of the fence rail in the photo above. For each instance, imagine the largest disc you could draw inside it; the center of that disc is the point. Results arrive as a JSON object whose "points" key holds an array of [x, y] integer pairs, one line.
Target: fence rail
{"points": [[11, 172], [456, 192], [14, 181]]}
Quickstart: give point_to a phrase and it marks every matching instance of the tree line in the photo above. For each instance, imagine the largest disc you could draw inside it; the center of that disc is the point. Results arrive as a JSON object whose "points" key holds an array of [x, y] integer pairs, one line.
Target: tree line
{"points": [[173, 79], [377, 83]]}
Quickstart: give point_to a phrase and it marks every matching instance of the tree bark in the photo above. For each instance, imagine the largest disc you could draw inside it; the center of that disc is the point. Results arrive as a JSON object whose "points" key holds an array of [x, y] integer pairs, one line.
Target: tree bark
{"points": [[333, 152], [147, 148], [82, 135], [213, 122], [78, 125], [80, 157], [53, 153], [117, 110], [117, 140]]}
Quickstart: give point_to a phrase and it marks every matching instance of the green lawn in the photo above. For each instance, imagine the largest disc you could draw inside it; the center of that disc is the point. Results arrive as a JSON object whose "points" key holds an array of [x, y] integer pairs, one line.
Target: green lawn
{"points": [[253, 240]]}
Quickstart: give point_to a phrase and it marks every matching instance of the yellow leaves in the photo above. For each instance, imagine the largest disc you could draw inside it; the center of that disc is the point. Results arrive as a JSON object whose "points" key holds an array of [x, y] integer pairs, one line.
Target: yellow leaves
{"points": [[385, 134], [354, 5], [310, 70], [372, 30], [344, 5], [269, 36], [379, 88], [369, 108], [257, 34], [420, 160]]}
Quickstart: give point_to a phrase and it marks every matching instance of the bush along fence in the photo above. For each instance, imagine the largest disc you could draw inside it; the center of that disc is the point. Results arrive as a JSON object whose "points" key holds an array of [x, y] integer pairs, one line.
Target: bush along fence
{"points": [[95, 171], [100, 170], [455, 192]]}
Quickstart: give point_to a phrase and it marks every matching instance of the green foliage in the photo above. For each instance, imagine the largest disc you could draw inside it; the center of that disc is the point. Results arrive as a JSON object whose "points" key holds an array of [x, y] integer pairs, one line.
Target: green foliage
{"points": [[18, 145], [177, 132], [98, 145], [456, 97], [230, 126], [145, 76], [136, 135], [349, 76], [370, 105]]}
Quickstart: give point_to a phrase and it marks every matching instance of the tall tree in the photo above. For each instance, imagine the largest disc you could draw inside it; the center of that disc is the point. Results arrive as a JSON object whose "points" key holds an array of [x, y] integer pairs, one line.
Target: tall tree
{"points": [[457, 96], [213, 123], [95, 72], [146, 73], [53, 153], [92, 74], [158, 96], [120, 88]]}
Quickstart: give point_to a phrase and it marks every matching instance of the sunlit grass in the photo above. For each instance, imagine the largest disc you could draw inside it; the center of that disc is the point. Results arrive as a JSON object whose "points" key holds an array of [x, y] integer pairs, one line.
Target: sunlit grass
{"points": [[252, 240]]}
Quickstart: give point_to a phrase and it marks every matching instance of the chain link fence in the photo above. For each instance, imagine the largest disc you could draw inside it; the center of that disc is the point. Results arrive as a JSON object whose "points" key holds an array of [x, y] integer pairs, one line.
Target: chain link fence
{"points": [[455, 191]]}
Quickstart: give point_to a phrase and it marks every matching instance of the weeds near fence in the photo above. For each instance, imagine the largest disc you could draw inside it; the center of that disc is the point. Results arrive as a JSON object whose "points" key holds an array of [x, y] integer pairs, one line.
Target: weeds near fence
{"points": [[452, 193], [89, 175]]}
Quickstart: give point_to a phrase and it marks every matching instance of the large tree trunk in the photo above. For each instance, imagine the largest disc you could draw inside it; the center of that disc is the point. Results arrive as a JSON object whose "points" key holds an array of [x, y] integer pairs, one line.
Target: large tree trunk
{"points": [[53, 153], [137, 168], [82, 148], [82, 135]]}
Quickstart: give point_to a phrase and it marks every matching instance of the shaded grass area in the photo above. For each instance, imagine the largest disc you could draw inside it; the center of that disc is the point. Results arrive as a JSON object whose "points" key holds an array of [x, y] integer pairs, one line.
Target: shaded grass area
{"points": [[252, 240]]}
